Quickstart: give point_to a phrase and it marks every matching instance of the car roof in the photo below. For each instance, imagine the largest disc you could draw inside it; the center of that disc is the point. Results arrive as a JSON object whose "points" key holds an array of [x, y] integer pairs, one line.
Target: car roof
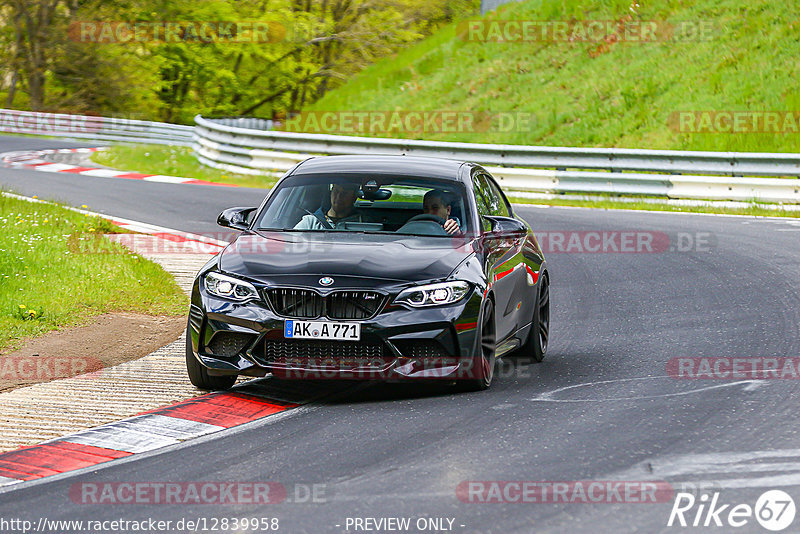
{"points": [[367, 164]]}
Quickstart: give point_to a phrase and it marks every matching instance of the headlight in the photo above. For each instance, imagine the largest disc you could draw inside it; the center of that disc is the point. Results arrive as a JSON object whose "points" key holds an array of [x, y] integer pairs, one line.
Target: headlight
{"points": [[230, 288], [433, 294]]}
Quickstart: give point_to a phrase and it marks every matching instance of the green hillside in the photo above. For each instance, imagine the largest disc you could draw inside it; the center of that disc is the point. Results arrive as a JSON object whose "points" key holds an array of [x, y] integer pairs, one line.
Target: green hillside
{"points": [[608, 93]]}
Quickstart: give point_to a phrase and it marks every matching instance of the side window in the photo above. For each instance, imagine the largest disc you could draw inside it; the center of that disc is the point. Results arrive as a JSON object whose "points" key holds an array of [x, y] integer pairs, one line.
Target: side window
{"points": [[493, 199], [480, 188], [499, 205], [482, 192]]}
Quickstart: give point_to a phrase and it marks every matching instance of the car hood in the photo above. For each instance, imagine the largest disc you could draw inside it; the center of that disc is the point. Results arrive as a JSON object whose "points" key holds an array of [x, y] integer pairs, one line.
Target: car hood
{"points": [[303, 257]]}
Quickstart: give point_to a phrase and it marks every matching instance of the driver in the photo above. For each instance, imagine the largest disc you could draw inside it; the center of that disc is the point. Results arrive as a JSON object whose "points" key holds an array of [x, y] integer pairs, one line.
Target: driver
{"points": [[342, 210], [437, 202]]}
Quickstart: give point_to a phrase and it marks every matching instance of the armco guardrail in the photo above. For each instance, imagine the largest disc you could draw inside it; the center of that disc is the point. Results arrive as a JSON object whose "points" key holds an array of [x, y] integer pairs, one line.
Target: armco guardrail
{"points": [[94, 128], [667, 173], [248, 146], [250, 123]]}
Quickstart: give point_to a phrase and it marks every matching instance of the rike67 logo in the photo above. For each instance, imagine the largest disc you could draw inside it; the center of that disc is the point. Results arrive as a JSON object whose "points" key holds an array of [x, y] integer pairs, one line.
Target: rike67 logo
{"points": [[774, 510]]}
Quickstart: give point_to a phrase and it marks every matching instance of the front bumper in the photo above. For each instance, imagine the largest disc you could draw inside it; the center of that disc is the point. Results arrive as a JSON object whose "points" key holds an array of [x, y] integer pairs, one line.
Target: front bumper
{"points": [[397, 344]]}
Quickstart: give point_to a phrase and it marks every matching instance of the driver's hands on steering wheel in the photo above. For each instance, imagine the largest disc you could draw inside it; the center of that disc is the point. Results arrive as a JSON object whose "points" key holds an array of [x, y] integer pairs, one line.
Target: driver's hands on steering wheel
{"points": [[451, 226]]}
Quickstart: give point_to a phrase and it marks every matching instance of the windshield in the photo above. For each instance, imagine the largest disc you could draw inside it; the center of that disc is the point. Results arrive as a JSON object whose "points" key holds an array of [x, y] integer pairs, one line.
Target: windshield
{"points": [[367, 203]]}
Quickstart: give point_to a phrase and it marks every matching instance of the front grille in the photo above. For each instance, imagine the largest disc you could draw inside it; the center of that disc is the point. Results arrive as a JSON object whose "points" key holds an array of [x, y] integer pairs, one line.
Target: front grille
{"points": [[227, 344], [280, 349], [301, 303], [421, 348], [353, 304], [308, 304]]}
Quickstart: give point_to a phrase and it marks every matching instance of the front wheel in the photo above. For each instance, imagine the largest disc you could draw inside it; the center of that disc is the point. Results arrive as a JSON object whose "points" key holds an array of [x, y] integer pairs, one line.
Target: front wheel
{"points": [[538, 337], [198, 374], [485, 358]]}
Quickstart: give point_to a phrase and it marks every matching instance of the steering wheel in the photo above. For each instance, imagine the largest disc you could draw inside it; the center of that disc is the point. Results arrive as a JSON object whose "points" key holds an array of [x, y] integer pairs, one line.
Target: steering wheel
{"points": [[429, 217], [322, 220]]}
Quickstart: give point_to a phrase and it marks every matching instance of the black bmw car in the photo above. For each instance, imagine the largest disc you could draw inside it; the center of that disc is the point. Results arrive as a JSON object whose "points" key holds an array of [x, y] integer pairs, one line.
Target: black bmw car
{"points": [[371, 267]]}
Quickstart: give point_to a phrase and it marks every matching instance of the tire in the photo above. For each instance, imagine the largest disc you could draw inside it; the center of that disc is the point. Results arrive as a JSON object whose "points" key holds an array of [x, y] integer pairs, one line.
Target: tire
{"points": [[198, 374], [487, 346], [539, 336]]}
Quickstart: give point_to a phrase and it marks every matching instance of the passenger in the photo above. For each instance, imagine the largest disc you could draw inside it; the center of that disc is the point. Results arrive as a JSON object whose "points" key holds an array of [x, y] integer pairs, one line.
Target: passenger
{"points": [[342, 210], [437, 202]]}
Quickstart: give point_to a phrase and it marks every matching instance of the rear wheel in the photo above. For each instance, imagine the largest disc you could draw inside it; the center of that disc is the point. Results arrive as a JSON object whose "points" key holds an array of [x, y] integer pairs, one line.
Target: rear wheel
{"points": [[538, 337], [198, 374], [483, 367]]}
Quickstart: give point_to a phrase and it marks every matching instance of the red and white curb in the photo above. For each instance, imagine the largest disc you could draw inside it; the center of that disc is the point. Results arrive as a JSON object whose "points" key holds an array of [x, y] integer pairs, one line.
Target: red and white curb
{"points": [[36, 160], [154, 430], [164, 426]]}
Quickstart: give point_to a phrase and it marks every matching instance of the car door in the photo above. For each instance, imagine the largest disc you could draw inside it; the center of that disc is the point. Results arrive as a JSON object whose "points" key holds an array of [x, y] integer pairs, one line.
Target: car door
{"points": [[505, 265]]}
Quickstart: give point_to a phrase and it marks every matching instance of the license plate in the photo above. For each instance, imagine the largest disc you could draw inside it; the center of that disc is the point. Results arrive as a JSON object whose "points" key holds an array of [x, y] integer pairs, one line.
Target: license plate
{"points": [[322, 330]]}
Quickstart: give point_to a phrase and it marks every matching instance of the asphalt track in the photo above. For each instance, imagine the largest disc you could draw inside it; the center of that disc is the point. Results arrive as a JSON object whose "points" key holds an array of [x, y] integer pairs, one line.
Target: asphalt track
{"points": [[600, 407]]}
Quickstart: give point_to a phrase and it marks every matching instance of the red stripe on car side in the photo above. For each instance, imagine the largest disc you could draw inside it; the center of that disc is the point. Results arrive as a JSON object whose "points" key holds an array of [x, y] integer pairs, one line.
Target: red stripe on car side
{"points": [[534, 274], [498, 276]]}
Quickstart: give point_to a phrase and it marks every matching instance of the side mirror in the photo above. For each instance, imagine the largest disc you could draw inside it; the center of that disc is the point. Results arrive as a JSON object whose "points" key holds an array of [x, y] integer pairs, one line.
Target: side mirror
{"points": [[235, 218], [505, 226]]}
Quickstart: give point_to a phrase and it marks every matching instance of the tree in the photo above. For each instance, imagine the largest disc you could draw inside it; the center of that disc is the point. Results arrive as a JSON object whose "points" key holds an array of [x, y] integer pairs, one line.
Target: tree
{"points": [[312, 47], [33, 23]]}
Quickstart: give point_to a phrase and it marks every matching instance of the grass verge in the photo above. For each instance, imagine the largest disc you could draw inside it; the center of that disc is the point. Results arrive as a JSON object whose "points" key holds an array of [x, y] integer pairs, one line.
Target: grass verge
{"points": [[609, 92], [172, 161], [648, 205], [56, 269]]}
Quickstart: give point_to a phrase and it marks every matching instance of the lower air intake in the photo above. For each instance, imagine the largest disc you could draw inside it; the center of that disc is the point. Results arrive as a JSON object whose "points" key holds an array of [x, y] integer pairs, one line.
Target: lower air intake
{"points": [[228, 344]]}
